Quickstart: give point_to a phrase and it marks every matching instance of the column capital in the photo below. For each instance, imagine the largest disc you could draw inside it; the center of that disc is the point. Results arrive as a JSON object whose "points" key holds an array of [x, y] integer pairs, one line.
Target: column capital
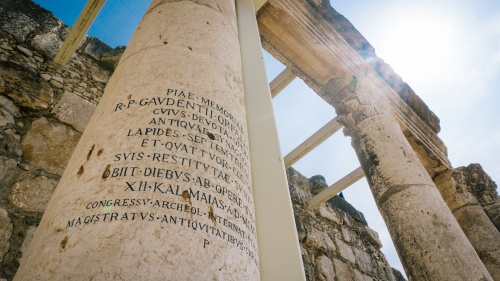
{"points": [[356, 99]]}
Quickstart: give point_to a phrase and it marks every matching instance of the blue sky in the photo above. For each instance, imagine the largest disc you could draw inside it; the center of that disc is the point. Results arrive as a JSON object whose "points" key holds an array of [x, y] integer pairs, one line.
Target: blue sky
{"points": [[448, 51]]}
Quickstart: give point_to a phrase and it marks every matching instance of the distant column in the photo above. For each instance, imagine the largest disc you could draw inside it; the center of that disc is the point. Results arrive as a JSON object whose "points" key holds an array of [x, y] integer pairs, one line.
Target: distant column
{"points": [[428, 239], [480, 230], [159, 187]]}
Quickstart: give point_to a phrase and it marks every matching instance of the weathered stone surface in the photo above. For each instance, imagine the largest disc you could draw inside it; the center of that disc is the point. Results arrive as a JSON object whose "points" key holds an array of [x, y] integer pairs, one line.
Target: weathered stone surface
{"points": [[325, 211], [47, 43], [319, 239], [49, 145], [6, 164], [299, 186], [74, 110], [17, 23], [2, 85], [463, 189], [493, 212], [24, 51], [331, 223], [7, 111], [5, 232], [348, 235], [32, 194], [397, 275], [30, 232], [386, 272], [372, 237], [325, 266], [111, 59], [46, 76], [345, 251], [318, 183], [340, 203], [358, 276], [363, 260], [96, 48], [25, 87], [342, 270]]}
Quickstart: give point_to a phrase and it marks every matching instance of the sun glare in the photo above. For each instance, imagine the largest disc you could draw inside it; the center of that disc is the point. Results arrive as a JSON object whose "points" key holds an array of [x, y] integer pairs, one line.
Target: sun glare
{"points": [[418, 45]]}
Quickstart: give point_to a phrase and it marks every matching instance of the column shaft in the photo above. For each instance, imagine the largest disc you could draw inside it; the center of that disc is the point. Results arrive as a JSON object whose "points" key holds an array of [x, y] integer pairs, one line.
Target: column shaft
{"points": [[428, 239], [480, 230], [159, 186]]}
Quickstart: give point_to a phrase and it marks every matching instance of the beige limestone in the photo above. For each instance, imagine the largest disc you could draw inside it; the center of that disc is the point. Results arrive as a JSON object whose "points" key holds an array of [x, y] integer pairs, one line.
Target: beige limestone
{"points": [[319, 239], [5, 232], [158, 187], [342, 270], [480, 230], [49, 145], [74, 110], [325, 266], [7, 112], [6, 165], [32, 194], [345, 250], [428, 239]]}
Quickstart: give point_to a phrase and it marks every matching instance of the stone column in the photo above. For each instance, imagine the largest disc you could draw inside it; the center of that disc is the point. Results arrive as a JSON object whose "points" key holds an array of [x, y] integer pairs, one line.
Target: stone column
{"points": [[428, 239], [480, 230], [159, 185]]}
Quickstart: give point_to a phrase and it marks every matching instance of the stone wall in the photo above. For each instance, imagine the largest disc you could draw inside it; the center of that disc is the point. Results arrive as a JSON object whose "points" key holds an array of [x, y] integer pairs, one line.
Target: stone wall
{"points": [[336, 242], [44, 109]]}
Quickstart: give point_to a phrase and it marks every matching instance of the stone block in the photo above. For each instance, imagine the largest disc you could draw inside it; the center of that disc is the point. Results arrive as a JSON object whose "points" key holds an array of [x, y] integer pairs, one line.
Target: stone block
{"points": [[17, 24], [5, 232], [385, 272], [300, 190], [363, 260], [340, 203], [96, 48], [25, 87], [372, 236], [325, 268], [32, 194], [358, 276], [7, 111], [318, 183], [342, 270], [348, 235], [49, 145], [398, 275], [6, 164], [73, 110], [319, 239], [47, 43], [24, 51], [326, 212], [345, 250]]}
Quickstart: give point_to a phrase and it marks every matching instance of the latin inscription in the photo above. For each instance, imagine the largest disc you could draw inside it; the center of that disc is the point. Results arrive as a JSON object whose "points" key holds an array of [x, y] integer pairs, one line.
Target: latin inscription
{"points": [[188, 168]]}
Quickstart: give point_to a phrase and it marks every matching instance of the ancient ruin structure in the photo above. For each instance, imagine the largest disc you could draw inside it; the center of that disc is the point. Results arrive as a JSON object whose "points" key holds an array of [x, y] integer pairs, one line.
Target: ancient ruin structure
{"points": [[159, 186]]}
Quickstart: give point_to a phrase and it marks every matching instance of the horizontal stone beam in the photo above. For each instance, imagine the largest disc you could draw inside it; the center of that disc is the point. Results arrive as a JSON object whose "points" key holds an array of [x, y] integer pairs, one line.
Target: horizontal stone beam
{"points": [[312, 142], [78, 31], [335, 188], [281, 81]]}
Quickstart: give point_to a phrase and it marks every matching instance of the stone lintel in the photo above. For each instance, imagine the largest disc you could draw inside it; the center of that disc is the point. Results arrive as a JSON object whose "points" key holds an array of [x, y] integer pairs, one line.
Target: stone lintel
{"points": [[318, 44]]}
